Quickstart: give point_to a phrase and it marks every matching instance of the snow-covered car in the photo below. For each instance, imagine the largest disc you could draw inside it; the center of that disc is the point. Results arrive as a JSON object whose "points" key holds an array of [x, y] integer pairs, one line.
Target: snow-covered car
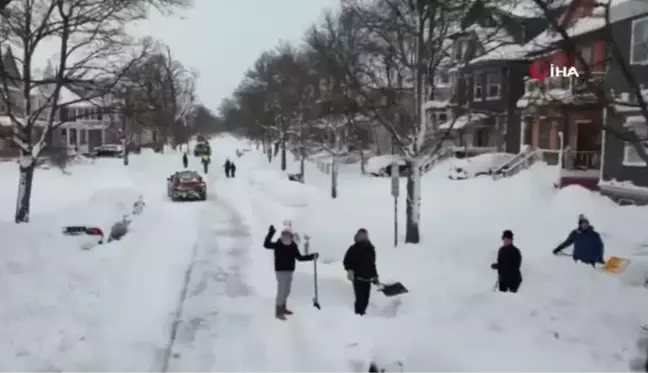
{"points": [[184, 185], [109, 150], [480, 165], [380, 166]]}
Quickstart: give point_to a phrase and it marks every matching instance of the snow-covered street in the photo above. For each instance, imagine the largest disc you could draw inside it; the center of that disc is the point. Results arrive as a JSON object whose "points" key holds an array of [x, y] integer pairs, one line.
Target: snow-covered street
{"points": [[191, 288]]}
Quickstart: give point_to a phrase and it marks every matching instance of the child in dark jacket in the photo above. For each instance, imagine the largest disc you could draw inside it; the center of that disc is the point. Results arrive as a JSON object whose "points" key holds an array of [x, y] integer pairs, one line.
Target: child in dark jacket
{"points": [[509, 261], [588, 245]]}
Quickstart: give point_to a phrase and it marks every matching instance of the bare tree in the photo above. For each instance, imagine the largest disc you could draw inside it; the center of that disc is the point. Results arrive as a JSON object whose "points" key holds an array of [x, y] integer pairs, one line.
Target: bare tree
{"points": [[167, 88], [93, 51]]}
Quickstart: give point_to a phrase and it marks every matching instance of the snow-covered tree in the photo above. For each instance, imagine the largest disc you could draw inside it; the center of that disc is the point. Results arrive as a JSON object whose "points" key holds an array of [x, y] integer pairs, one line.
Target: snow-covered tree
{"points": [[93, 53]]}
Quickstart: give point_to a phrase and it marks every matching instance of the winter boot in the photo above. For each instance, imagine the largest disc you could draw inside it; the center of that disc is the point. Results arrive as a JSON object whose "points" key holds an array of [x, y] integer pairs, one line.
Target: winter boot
{"points": [[279, 313], [286, 311]]}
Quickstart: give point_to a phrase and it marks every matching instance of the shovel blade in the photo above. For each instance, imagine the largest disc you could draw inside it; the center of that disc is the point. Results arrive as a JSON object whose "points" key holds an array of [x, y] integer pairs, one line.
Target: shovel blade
{"points": [[396, 288], [316, 304]]}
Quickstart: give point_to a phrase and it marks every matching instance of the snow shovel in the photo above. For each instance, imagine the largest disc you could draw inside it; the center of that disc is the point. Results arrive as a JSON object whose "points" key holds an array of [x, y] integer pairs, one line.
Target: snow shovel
{"points": [[615, 264], [316, 295], [391, 290]]}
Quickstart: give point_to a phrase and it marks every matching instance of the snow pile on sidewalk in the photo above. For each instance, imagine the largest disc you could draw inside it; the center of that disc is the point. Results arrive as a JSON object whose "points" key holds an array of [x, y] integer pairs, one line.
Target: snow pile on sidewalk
{"points": [[567, 317], [109, 308]]}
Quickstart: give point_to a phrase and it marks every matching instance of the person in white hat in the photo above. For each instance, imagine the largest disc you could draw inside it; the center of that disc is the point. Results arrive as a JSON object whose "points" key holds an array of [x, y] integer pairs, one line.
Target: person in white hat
{"points": [[286, 253]]}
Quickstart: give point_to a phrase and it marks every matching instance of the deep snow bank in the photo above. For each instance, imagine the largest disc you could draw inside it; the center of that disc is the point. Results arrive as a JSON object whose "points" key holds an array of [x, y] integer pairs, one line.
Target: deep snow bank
{"points": [[567, 317], [105, 309]]}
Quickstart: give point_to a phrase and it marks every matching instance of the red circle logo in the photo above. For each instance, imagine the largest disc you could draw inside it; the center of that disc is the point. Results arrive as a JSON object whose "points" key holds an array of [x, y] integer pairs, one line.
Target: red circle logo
{"points": [[539, 70]]}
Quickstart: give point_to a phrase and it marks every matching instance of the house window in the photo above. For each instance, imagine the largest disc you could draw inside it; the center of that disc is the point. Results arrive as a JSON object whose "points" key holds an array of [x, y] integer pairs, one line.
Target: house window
{"points": [[545, 135], [639, 42], [442, 118], [478, 93], [631, 157], [82, 137], [457, 50], [443, 78], [493, 85], [586, 54]]}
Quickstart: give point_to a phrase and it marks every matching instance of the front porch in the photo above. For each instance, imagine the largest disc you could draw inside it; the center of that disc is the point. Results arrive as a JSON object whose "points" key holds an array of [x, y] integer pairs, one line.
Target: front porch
{"points": [[569, 136]]}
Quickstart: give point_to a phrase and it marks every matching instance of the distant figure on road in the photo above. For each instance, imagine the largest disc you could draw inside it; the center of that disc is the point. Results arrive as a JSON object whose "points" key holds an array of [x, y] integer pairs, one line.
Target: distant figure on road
{"points": [[205, 162], [233, 170], [228, 168], [509, 261], [185, 160]]}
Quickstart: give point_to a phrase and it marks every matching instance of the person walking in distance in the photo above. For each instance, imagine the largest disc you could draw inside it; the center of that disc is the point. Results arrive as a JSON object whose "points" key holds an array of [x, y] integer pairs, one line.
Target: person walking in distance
{"points": [[509, 261], [228, 168], [185, 160], [286, 253], [233, 170], [360, 265], [205, 162]]}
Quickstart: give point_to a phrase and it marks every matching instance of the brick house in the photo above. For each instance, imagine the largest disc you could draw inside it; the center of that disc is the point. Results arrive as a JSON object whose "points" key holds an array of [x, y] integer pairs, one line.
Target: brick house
{"points": [[476, 94], [560, 115]]}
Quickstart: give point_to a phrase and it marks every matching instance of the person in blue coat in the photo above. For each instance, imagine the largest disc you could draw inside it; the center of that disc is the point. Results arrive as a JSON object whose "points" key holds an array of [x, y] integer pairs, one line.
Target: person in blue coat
{"points": [[588, 245]]}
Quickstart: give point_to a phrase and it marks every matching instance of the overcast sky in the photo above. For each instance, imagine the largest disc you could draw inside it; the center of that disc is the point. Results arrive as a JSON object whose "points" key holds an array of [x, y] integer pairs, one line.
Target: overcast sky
{"points": [[222, 39]]}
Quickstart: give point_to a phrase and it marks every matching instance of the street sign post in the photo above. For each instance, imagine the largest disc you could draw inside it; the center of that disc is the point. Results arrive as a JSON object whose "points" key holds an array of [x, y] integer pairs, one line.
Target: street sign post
{"points": [[395, 190]]}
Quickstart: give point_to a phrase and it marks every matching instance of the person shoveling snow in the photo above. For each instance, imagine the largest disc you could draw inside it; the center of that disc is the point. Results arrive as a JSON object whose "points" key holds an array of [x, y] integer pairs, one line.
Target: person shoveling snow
{"points": [[588, 245]]}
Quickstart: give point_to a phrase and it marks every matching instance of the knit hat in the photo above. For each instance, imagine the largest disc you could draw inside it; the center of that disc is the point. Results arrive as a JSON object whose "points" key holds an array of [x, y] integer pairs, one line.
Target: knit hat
{"points": [[582, 219], [361, 230], [507, 234]]}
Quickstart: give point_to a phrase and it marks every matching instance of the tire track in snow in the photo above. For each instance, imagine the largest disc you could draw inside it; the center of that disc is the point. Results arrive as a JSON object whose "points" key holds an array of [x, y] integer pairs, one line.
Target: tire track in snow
{"points": [[217, 328]]}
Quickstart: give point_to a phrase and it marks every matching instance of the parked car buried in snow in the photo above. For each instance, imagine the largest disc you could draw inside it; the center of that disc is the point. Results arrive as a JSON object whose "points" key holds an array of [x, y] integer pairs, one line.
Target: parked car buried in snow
{"points": [[380, 166], [109, 150], [481, 165], [184, 185]]}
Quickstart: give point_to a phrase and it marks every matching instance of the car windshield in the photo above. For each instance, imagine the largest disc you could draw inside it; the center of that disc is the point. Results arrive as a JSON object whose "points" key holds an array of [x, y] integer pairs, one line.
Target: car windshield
{"points": [[189, 176]]}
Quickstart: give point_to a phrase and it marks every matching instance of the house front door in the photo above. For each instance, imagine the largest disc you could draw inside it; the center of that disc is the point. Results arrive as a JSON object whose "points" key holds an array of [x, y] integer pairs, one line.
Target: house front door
{"points": [[588, 145]]}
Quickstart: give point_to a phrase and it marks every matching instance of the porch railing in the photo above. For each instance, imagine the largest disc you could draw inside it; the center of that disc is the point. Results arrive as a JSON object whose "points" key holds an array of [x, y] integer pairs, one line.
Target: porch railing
{"points": [[576, 85], [581, 160], [522, 164]]}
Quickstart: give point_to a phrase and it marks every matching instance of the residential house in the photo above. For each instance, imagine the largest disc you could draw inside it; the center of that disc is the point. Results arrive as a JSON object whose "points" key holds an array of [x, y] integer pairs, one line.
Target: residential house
{"points": [[561, 116], [13, 103], [85, 123], [489, 63], [624, 174]]}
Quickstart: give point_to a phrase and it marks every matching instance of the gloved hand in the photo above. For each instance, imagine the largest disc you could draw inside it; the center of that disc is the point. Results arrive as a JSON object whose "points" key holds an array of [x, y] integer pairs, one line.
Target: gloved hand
{"points": [[272, 230], [556, 251], [494, 266], [601, 261], [350, 275], [315, 256], [375, 281]]}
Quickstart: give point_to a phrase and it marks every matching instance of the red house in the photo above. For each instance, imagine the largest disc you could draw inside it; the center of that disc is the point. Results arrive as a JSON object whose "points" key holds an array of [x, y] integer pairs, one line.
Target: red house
{"points": [[561, 116]]}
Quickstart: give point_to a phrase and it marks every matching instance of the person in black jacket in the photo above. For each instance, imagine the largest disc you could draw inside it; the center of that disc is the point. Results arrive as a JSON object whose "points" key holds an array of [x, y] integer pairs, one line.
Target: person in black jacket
{"points": [[233, 170], [360, 265], [285, 254], [509, 261], [228, 167], [185, 160]]}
